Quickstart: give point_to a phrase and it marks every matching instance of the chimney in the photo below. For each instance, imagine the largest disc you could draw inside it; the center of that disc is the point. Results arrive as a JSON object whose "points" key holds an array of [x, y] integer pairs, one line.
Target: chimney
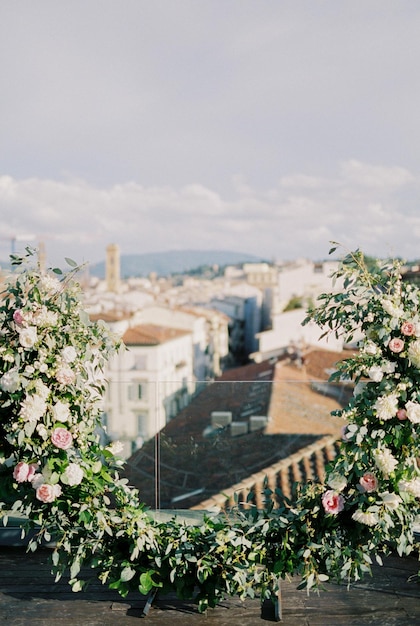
{"points": [[220, 419]]}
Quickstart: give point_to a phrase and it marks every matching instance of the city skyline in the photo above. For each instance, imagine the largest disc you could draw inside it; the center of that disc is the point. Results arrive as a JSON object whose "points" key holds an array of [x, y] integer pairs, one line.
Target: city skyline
{"points": [[263, 127]]}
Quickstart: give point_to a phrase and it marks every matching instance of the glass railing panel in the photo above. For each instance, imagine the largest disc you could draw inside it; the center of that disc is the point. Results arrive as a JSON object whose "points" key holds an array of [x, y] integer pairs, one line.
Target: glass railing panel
{"points": [[217, 444]]}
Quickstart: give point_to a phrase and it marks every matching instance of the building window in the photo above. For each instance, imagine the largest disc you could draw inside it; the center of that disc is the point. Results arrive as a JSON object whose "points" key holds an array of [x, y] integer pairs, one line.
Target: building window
{"points": [[137, 391], [141, 426]]}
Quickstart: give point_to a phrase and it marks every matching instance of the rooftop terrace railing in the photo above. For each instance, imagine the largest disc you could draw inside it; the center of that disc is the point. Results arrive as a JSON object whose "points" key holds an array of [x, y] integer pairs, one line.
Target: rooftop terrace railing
{"points": [[220, 444]]}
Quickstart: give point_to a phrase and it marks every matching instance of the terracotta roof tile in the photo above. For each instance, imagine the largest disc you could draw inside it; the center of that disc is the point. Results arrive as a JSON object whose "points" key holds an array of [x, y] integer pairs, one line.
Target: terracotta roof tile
{"points": [[181, 460], [151, 335]]}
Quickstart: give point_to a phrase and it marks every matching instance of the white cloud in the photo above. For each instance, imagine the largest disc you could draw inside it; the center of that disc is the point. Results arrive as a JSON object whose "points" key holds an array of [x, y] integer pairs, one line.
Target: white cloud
{"points": [[374, 175], [79, 220]]}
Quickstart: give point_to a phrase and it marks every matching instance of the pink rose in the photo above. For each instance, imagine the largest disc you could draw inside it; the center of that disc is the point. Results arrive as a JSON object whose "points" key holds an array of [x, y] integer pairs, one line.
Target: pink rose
{"points": [[408, 329], [24, 471], [332, 502], [48, 493], [369, 482], [18, 317], [402, 415], [62, 438], [396, 345]]}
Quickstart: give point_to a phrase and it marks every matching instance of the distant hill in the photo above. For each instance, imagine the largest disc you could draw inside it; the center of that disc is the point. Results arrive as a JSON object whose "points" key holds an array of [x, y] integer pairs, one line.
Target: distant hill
{"points": [[173, 262]]}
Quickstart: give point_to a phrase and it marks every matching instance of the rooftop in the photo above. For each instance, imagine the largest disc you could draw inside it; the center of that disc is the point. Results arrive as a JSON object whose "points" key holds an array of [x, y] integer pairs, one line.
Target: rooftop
{"points": [[151, 335], [194, 467], [28, 595]]}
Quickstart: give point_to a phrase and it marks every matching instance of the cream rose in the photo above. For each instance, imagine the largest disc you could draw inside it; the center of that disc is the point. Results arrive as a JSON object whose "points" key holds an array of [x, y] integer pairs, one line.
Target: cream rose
{"points": [[73, 475], [65, 375], [413, 412], [68, 354], [28, 337], [61, 411]]}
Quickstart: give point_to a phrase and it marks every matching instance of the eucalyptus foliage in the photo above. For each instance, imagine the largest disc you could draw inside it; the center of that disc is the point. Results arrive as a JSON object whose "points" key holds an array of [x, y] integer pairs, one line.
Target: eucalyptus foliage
{"points": [[56, 470]]}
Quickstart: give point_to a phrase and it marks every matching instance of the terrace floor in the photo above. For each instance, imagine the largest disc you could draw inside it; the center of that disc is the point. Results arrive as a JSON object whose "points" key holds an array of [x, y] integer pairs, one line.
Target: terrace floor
{"points": [[28, 595]]}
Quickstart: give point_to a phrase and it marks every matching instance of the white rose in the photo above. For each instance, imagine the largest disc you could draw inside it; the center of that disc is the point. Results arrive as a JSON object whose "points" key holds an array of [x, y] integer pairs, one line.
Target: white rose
{"points": [[371, 348], [42, 431], [413, 412], [68, 354], [61, 411], [57, 490], [10, 381], [73, 475], [28, 337], [115, 447], [37, 481], [375, 373]]}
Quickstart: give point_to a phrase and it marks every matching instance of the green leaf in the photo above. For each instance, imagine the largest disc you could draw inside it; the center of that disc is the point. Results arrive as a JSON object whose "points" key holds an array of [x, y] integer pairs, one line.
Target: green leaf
{"points": [[146, 583]]}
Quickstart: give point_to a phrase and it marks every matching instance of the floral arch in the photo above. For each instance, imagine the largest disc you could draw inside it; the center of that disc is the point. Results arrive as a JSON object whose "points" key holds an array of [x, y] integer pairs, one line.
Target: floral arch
{"points": [[56, 472]]}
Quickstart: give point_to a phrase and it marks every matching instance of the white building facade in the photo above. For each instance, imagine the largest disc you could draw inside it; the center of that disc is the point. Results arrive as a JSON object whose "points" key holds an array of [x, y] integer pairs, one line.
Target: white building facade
{"points": [[148, 383]]}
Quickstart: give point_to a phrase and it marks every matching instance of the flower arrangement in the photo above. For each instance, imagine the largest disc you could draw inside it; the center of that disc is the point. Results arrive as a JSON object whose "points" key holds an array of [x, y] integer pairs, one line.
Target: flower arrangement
{"points": [[51, 360], [378, 469], [56, 470]]}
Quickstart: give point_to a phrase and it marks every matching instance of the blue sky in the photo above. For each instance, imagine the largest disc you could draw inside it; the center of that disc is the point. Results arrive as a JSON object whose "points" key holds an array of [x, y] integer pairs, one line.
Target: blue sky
{"points": [[266, 126]]}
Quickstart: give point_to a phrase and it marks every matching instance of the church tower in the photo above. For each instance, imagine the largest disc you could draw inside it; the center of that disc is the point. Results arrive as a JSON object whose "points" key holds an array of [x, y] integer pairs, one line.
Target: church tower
{"points": [[42, 257], [113, 268]]}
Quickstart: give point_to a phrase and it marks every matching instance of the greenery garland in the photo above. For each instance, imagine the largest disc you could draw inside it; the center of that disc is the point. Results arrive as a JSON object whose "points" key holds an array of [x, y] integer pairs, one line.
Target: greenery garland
{"points": [[55, 470]]}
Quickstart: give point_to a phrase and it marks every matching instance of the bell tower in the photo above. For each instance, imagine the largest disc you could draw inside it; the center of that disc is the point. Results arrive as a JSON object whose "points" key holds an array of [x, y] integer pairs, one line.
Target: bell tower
{"points": [[113, 268]]}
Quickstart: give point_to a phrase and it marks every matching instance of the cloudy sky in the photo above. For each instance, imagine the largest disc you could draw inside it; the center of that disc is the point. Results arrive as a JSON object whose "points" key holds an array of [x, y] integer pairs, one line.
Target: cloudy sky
{"points": [[262, 126]]}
